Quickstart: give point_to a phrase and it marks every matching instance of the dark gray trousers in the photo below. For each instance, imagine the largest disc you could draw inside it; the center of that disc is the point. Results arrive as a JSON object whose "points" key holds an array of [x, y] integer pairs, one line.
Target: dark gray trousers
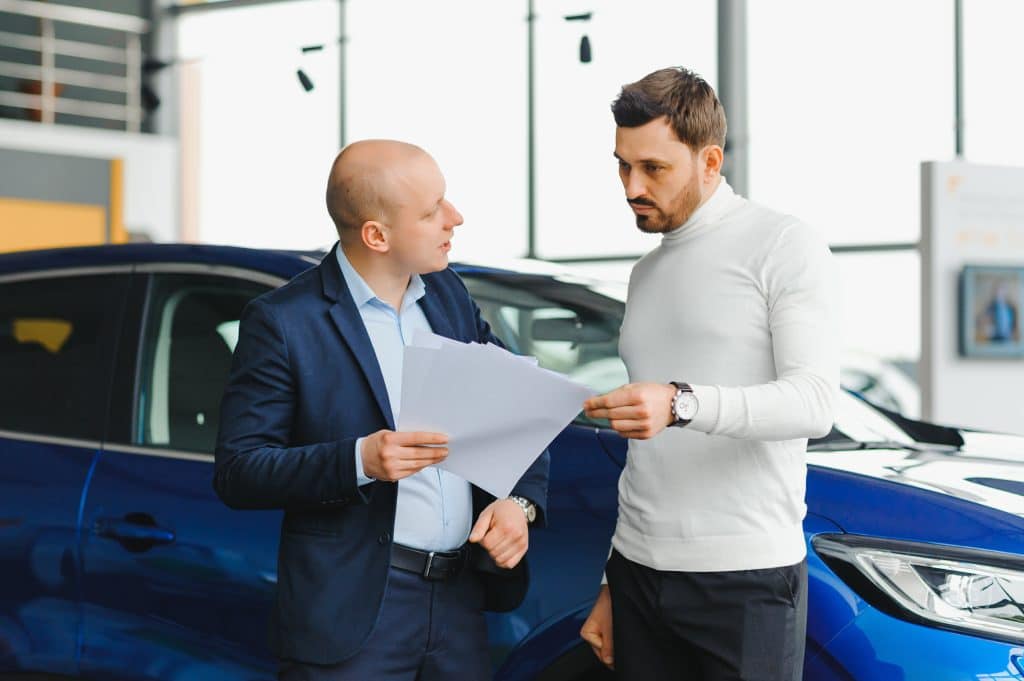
{"points": [[427, 631], [746, 625]]}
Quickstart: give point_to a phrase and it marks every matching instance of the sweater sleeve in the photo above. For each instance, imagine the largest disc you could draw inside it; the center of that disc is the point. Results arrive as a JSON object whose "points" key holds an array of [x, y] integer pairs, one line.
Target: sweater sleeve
{"points": [[800, 284]]}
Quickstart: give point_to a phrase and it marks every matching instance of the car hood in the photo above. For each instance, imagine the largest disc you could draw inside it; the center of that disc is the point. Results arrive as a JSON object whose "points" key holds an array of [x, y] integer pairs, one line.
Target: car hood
{"points": [[987, 470]]}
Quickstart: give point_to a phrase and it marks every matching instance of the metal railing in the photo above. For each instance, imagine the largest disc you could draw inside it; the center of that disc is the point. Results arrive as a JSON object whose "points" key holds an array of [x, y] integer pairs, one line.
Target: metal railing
{"points": [[49, 77]]}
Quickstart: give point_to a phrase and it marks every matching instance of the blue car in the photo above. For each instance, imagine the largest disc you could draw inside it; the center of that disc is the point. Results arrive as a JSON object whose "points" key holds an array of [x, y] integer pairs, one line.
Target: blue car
{"points": [[118, 562]]}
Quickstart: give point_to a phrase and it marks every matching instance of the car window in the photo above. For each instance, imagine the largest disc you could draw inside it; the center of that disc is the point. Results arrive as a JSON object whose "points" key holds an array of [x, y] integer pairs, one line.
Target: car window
{"points": [[56, 349], [566, 324], [191, 329]]}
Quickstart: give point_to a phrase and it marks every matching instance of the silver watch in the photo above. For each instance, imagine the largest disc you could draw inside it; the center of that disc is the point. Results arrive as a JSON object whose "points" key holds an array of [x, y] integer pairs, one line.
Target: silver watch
{"points": [[684, 405], [529, 508]]}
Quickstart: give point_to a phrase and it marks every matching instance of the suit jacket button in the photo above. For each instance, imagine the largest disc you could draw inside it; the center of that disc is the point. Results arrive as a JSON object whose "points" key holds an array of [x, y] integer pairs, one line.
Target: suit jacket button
{"points": [[384, 539]]}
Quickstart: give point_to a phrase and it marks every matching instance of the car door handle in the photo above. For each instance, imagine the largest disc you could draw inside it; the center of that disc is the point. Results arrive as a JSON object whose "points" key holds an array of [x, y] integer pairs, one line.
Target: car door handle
{"points": [[136, 532]]}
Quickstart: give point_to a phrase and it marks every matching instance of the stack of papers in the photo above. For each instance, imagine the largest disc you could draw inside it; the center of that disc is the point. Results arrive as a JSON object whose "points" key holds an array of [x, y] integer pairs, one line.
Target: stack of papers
{"points": [[499, 410]]}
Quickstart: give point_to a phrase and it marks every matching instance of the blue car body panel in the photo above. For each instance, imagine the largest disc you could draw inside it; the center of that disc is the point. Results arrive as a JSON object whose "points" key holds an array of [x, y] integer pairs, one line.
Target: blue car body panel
{"points": [[185, 595], [877, 646], [40, 612], [880, 508], [193, 607]]}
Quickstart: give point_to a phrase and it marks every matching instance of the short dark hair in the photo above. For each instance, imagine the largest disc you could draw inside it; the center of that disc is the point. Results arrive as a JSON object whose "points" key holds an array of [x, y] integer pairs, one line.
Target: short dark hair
{"points": [[686, 99]]}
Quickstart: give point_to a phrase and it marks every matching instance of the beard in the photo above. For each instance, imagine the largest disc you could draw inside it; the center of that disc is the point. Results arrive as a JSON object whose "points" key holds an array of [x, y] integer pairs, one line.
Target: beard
{"points": [[683, 206]]}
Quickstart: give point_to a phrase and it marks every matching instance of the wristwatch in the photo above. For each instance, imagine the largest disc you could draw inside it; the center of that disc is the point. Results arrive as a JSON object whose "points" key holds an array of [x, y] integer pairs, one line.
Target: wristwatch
{"points": [[529, 508], [684, 405]]}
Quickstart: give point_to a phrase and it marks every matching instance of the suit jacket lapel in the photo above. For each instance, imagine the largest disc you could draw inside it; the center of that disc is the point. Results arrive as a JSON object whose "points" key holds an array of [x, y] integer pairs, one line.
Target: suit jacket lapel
{"points": [[346, 317], [436, 315]]}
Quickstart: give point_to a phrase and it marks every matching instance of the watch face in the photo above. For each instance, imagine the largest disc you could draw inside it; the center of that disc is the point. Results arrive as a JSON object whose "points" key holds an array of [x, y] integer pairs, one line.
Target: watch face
{"points": [[686, 406]]}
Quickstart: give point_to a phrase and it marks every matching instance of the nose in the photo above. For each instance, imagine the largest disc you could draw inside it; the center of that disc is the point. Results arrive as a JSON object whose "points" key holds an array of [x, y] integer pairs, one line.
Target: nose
{"points": [[454, 216], [633, 184]]}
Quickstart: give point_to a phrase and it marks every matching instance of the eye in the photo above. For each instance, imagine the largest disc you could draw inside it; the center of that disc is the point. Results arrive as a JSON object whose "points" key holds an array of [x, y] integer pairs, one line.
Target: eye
{"points": [[623, 166], [651, 168]]}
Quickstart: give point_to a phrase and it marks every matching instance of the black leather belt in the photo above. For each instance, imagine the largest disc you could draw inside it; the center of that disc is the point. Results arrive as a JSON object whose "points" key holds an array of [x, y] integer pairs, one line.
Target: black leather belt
{"points": [[435, 566]]}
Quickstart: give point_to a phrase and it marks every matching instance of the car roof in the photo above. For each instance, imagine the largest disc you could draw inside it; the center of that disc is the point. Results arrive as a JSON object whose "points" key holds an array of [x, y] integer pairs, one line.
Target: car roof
{"points": [[279, 262]]}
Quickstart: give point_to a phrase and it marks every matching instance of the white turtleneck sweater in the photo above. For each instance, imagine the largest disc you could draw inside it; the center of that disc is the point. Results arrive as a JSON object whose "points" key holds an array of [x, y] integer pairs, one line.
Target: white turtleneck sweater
{"points": [[740, 302]]}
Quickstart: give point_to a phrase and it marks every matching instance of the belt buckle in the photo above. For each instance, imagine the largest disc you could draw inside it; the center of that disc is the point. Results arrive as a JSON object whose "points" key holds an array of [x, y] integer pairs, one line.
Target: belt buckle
{"points": [[430, 562]]}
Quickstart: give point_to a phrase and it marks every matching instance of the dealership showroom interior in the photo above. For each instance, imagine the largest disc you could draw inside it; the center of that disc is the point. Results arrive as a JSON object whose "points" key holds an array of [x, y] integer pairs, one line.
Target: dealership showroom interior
{"points": [[525, 340]]}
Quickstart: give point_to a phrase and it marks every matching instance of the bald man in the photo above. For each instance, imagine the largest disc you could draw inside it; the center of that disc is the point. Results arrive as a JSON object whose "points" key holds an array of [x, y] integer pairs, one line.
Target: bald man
{"points": [[386, 562]]}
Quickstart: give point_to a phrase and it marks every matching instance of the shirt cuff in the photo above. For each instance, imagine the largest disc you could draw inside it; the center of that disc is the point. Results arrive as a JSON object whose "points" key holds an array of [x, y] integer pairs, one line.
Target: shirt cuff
{"points": [[361, 477], [708, 399]]}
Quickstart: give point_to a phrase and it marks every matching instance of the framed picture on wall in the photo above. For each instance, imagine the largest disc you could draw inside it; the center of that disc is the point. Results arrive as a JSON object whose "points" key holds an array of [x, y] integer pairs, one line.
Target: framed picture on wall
{"points": [[990, 311]]}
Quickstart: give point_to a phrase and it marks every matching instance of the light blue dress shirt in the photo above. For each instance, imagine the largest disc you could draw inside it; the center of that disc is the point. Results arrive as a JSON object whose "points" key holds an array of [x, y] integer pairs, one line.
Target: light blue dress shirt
{"points": [[435, 508]]}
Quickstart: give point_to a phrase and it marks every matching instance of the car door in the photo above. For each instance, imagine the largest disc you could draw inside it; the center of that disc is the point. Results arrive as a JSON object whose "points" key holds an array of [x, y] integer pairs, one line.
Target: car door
{"points": [[58, 332], [175, 584], [573, 328]]}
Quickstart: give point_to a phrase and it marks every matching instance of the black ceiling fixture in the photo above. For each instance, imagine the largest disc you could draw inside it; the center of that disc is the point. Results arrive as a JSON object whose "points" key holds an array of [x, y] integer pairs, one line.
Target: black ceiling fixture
{"points": [[149, 98], [585, 53], [304, 79]]}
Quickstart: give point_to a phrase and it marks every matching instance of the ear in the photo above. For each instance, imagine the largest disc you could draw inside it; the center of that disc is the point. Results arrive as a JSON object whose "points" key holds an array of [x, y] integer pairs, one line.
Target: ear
{"points": [[712, 158], [375, 236]]}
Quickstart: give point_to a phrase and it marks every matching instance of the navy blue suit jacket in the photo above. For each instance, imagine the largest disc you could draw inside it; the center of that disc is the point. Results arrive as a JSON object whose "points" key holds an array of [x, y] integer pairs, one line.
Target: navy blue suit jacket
{"points": [[304, 386]]}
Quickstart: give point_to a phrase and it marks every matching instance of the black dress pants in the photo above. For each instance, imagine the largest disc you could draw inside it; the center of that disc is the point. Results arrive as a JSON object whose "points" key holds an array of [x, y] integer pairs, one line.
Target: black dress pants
{"points": [[744, 625]]}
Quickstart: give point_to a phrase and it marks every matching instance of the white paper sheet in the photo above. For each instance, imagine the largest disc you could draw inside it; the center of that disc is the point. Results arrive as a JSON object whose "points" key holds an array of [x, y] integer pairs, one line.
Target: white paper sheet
{"points": [[498, 409]]}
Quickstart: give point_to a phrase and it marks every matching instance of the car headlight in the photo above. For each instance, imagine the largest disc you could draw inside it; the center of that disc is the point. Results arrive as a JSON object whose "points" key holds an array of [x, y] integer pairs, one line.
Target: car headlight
{"points": [[974, 591]]}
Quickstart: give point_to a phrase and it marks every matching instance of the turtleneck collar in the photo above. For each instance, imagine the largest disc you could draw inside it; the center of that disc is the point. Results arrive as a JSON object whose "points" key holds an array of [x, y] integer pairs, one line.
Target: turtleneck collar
{"points": [[706, 216]]}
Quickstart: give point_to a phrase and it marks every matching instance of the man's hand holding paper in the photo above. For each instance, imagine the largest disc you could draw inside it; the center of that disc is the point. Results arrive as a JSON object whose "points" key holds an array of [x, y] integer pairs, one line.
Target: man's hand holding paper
{"points": [[391, 456]]}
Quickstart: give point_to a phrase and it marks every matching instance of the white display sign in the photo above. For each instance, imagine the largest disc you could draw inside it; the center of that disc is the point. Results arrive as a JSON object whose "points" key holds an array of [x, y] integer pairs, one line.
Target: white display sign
{"points": [[972, 269]]}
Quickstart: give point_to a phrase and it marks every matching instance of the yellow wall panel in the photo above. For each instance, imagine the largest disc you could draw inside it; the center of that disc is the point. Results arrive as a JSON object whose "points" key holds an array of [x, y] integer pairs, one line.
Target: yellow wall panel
{"points": [[118, 234], [46, 224]]}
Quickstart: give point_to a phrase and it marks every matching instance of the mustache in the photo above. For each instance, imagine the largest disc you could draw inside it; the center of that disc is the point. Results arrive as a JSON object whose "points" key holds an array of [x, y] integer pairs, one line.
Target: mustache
{"points": [[641, 202]]}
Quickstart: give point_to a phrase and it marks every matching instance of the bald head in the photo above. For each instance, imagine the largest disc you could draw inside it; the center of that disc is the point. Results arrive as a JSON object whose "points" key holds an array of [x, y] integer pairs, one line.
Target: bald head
{"points": [[366, 181]]}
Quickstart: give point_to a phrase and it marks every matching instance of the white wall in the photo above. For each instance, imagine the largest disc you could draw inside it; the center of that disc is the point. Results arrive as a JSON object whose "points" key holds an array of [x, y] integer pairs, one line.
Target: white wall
{"points": [[150, 168], [971, 214]]}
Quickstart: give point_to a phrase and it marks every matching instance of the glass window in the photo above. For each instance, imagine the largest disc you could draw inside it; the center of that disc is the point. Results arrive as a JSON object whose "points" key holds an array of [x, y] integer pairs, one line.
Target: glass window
{"points": [[843, 111], [450, 76], [56, 349], [191, 332], [569, 326], [993, 106], [256, 145], [461, 94], [581, 206], [880, 327]]}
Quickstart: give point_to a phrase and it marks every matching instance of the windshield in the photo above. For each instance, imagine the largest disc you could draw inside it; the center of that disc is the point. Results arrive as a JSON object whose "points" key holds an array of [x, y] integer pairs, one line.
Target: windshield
{"points": [[859, 421], [570, 325]]}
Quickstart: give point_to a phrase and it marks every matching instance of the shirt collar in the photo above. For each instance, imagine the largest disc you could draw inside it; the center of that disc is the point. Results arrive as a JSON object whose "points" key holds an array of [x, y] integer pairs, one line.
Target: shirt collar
{"points": [[363, 294]]}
